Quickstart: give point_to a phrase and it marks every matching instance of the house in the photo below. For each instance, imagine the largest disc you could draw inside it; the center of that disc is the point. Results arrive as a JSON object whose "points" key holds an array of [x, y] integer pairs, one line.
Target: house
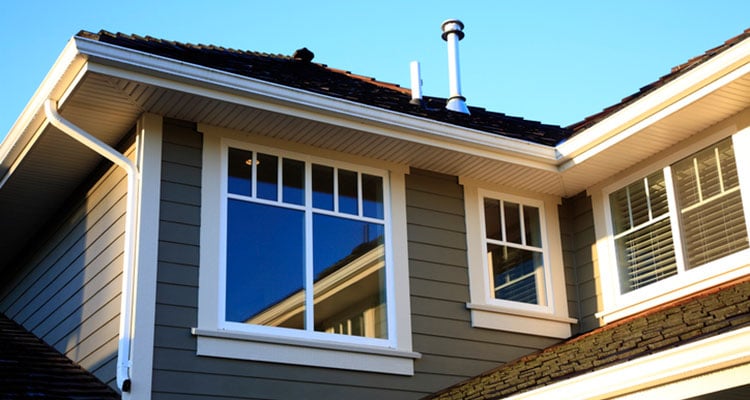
{"points": [[189, 221]]}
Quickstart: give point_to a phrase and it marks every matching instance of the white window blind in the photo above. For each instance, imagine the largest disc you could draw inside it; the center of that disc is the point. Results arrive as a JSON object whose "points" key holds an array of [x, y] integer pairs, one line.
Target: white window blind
{"points": [[709, 215], [643, 238], [708, 194]]}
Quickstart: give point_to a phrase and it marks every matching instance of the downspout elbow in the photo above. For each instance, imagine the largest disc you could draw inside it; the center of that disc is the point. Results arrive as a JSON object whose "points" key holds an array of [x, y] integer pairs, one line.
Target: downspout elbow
{"points": [[126, 304]]}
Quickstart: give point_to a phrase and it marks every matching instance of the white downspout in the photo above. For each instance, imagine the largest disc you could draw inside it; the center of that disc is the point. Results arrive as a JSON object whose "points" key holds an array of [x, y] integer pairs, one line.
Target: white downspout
{"points": [[126, 303]]}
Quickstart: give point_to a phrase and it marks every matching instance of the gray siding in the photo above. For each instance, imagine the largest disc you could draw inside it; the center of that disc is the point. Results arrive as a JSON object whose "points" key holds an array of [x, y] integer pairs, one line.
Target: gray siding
{"points": [[578, 238], [452, 350], [441, 324], [67, 291]]}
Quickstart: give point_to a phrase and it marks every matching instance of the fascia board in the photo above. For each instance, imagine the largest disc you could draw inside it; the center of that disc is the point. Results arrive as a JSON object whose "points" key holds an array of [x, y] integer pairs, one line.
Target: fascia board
{"points": [[165, 72], [26, 129], [690, 360], [655, 106]]}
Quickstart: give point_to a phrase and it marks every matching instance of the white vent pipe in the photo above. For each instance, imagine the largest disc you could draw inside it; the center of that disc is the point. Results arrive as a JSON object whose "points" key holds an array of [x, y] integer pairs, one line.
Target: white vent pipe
{"points": [[126, 302], [416, 83], [452, 33]]}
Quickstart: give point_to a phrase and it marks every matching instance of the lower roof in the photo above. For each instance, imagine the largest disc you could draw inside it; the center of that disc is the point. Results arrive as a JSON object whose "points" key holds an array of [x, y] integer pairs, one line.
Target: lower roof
{"points": [[30, 368], [701, 316]]}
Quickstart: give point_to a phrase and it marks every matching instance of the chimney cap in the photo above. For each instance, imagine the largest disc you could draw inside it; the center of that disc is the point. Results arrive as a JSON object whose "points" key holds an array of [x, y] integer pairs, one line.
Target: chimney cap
{"points": [[452, 26]]}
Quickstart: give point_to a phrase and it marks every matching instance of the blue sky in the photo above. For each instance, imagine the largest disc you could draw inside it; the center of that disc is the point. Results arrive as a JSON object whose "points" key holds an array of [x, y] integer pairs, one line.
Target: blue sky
{"points": [[554, 61]]}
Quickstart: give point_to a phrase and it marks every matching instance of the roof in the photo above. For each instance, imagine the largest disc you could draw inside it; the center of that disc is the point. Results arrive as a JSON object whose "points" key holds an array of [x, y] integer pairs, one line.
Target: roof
{"points": [[299, 72], [672, 75], [30, 368], [700, 316]]}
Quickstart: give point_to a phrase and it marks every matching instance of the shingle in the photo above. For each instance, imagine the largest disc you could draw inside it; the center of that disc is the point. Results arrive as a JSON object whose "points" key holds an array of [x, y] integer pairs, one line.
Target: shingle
{"points": [[29, 368], [672, 325], [319, 78], [675, 73]]}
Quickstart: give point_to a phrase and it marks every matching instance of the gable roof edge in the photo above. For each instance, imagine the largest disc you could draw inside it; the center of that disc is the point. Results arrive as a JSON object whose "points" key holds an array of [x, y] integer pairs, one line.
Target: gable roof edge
{"points": [[683, 90]]}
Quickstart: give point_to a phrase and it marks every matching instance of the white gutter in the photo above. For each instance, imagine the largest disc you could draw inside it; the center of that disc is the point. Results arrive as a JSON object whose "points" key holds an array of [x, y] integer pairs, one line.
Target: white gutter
{"points": [[168, 73], [126, 303]]}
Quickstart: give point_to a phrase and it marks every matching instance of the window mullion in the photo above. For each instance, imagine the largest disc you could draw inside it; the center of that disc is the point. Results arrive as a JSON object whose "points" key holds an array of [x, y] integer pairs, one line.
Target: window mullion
{"points": [[698, 179], [674, 220], [335, 190], [279, 179], [648, 198], [254, 176], [630, 207], [718, 170], [502, 221], [309, 288], [360, 205], [522, 224]]}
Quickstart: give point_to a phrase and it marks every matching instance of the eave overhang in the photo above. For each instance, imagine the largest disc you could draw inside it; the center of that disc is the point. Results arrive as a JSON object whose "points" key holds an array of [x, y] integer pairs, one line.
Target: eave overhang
{"points": [[104, 88], [699, 99]]}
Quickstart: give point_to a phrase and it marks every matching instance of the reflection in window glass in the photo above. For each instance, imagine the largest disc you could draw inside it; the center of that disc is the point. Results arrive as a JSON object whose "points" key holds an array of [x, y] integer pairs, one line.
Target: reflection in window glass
{"points": [[273, 246], [372, 196], [240, 172], [348, 196], [532, 226], [492, 219], [322, 182], [515, 273], [513, 236], [262, 287], [349, 276], [268, 176], [293, 178], [512, 217]]}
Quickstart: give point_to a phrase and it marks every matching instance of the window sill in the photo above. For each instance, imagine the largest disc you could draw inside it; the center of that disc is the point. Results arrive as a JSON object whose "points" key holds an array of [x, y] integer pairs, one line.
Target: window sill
{"points": [[509, 320], [315, 353]]}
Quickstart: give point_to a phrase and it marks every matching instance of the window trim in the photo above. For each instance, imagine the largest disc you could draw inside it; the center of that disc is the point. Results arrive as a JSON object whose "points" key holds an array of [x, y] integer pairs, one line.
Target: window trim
{"points": [[617, 305], [219, 338], [550, 320]]}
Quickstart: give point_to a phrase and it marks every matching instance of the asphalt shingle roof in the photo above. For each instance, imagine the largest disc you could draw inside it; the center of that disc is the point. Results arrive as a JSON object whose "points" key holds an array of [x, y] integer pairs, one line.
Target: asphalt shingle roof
{"points": [[672, 75], [30, 368], [299, 72], [700, 316]]}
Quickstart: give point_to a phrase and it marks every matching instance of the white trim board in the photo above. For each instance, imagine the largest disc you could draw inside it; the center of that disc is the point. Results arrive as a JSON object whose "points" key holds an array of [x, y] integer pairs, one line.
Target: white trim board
{"points": [[663, 368]]}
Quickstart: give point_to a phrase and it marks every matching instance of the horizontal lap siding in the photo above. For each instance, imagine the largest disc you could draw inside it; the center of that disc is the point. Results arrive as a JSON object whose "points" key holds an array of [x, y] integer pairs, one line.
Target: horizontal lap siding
{"points": [[68, 292], [579, 243], [451, 349], [441, 323]]}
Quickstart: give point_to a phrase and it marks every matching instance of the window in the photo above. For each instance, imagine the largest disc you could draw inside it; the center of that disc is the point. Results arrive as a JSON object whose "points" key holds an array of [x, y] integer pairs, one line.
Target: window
{"points": [[516, 276], [305, 246], [303, 258], [515, 257], [677, 219], [675, 230]]}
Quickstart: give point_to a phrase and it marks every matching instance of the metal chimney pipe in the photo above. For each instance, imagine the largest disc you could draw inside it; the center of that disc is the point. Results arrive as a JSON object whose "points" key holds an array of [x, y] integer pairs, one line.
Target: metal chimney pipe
{"points": [[452, 33], [416, 83]]}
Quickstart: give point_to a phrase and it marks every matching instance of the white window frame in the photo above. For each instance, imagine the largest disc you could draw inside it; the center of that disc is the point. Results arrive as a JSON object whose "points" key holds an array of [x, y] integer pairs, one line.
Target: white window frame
{"points": [[550, 319], [617, 305], [219, 338]]}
